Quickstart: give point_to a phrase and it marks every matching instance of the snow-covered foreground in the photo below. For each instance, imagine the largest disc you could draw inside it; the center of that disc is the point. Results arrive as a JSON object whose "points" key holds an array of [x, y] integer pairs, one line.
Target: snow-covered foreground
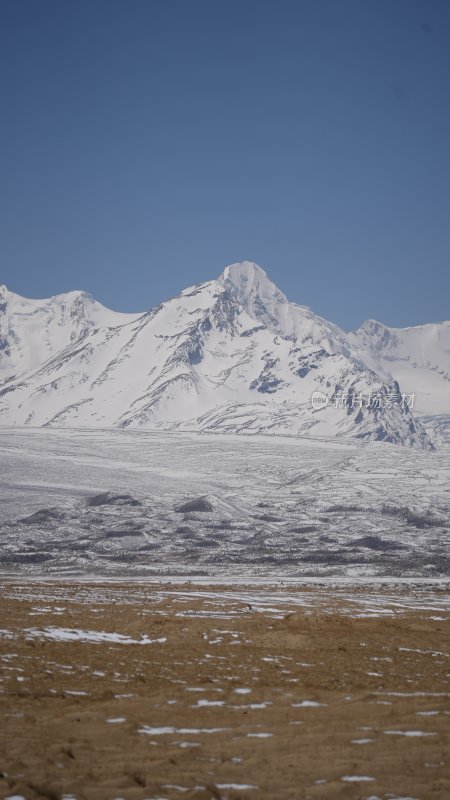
{"points": [[114, 502]]}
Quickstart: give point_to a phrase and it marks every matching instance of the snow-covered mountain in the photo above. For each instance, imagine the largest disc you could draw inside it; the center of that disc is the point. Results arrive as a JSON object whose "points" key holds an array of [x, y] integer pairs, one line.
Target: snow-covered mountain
{"points": [[32, 331], [231, 354], [419, 359]]}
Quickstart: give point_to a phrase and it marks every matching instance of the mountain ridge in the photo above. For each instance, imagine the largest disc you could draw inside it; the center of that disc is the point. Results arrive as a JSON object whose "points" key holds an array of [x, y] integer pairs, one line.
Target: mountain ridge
{"points": [[230, 355]]}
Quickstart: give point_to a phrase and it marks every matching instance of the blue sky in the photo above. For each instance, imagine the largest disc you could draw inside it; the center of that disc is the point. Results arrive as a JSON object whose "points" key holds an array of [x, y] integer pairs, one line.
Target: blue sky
{"points": [[145, 144]]}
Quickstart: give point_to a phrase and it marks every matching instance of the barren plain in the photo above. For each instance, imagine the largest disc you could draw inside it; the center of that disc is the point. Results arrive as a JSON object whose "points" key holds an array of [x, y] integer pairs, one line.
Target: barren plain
{"points": [[147, 691]]}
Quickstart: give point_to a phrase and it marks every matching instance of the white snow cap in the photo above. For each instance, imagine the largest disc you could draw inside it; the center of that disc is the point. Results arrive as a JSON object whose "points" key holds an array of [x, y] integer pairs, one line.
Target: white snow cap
{"points": [[266, 304], [247, 280], [258, 295]]}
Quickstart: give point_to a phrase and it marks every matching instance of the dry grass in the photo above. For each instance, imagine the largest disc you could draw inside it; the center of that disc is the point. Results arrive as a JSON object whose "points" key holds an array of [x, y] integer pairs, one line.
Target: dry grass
{"points": [[57, 698]]}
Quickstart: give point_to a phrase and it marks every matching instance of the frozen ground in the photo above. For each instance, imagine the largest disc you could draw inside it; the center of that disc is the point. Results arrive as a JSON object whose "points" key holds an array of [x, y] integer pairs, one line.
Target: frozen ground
{"points": [[129, 503]]}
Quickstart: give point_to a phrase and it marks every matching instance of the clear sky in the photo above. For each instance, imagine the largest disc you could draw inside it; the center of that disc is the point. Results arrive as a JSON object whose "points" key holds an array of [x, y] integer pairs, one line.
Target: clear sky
{"points": [[146, 144]]}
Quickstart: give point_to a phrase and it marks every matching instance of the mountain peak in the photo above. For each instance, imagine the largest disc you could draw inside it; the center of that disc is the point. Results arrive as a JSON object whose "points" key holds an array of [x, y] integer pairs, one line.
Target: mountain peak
{"points": [[256, 293], [246, 279], [244, 269]]}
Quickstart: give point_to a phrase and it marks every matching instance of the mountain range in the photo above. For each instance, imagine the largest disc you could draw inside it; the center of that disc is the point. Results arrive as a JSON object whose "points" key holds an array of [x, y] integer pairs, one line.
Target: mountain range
{"points": [[228, 355]]}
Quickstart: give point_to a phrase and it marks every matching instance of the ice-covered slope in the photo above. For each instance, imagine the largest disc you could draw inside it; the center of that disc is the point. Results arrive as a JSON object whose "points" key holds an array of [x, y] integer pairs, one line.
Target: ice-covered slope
{"points": [[230, 354], [31, 331], [418, 358]]}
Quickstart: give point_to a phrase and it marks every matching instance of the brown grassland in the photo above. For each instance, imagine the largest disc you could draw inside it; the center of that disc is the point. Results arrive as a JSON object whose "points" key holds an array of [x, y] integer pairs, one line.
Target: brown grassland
{"points": [[269, 701]]}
